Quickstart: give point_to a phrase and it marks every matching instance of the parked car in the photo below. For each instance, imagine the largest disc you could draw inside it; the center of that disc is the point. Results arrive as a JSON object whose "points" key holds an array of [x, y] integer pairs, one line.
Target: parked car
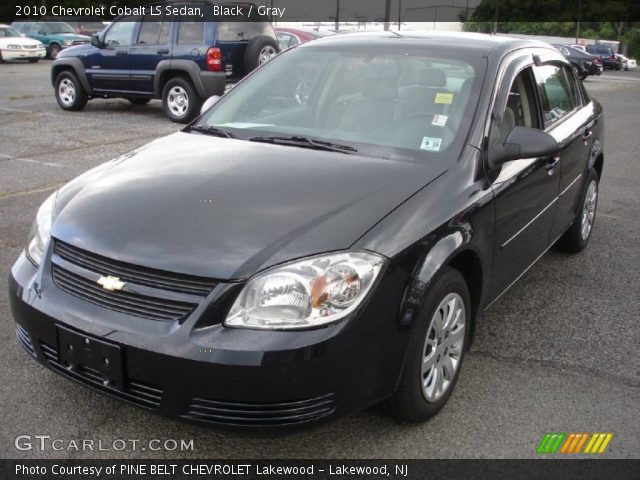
{"points": [[585, 63], [55, 36], [84, 26], [14, 46], [290, 37], [609, 59], [582, 48], [179, 60], [627, 63], [287, 259]]}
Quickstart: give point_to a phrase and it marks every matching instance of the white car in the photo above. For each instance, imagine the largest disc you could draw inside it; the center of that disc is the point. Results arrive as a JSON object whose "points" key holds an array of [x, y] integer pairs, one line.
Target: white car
{"points": [[14, 46], [628, 63]]}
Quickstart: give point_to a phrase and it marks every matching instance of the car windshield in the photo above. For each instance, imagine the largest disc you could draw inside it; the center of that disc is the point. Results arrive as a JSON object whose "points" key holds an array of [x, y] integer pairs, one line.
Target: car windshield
{"points": [[8, 32], [59, 27], [391, 103]]}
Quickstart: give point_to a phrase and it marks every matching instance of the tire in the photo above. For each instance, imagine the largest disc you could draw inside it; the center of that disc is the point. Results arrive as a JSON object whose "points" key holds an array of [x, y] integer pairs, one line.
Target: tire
{"points": [[577, 237], [69, 93], [139, 101], [259, 50], [410, 402], [34, 60], [53, 51], [180, 101]]}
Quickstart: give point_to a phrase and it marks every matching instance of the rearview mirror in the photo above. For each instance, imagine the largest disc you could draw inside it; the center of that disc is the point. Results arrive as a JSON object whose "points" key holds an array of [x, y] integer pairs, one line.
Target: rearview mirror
{"points": [[95, 40], [523, 142], [208, 103]]}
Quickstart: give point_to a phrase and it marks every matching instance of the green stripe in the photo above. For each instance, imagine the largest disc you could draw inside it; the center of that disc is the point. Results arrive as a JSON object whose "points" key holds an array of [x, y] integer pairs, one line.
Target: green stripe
{"points": [[560, 438], [543, 443]]}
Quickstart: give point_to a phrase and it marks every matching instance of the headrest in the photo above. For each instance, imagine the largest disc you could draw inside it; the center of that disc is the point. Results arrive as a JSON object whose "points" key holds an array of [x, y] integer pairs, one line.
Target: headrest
{"points": [[432, 77]]}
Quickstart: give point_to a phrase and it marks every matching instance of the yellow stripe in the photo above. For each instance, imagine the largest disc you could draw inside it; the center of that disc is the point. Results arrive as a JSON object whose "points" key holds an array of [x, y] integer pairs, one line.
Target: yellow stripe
{"points": [[591, 442], [596, 445], [574, 443], [605, 443], [584, 439], [566, 443]]}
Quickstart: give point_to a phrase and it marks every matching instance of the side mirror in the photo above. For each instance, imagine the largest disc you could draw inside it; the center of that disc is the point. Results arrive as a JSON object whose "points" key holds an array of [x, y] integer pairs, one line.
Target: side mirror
{"points": [[208, 103], [95, 40], [523, 142]]}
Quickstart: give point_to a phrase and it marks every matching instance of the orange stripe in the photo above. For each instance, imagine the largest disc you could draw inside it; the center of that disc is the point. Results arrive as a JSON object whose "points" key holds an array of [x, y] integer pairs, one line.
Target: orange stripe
{"points": [[584, 439], [567, 442], [574, 443]]}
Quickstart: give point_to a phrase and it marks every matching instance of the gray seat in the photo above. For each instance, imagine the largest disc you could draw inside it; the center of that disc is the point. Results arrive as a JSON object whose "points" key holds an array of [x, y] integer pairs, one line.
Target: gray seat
{"points": [[374, 108], [420, 99]]}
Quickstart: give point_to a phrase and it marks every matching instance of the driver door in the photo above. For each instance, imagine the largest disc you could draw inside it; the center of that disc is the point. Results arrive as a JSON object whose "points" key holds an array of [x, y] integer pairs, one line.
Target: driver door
{"points": [[525, 190], [109, 67]]}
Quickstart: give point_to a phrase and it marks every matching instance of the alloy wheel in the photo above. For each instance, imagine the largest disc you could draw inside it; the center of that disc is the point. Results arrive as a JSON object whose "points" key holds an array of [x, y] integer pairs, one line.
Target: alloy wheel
{"points": [[443, 347], [67, 92], [266, 54], [589, 210]]}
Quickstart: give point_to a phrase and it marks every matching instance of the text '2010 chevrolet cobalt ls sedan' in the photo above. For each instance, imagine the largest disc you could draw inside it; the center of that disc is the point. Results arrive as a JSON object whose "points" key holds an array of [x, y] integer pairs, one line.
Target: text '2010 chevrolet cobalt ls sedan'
{"points": [[322, 238]]}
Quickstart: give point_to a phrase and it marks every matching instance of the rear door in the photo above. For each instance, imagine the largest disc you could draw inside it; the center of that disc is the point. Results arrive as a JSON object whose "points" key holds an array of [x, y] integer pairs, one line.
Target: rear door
{"points": [[108, 68], [151, 45], [569, 119]]}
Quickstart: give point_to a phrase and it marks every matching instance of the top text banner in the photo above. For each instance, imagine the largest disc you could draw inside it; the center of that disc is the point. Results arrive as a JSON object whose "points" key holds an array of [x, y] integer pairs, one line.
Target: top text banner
{"points": [[361, 11]]}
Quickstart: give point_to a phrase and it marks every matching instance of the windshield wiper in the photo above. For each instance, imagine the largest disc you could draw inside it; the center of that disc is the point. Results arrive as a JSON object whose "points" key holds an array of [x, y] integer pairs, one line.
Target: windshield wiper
{"points": [[306, 143], [211, 130]]}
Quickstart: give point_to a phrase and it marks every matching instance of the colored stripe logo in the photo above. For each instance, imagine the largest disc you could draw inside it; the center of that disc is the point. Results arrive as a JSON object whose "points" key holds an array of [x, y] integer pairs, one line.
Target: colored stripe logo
{"points": [[573, 443]]}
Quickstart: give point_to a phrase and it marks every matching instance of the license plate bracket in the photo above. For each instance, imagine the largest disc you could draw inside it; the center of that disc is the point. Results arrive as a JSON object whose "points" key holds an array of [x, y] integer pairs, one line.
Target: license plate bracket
{"points": [[84, 354]]}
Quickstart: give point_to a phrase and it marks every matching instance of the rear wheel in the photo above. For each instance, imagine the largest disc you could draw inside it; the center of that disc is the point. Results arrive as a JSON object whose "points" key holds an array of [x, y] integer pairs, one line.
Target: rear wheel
{"points": [[435, 351], [180, 101], [69, 92], [34, 60], [577, 237], [53, 51]]}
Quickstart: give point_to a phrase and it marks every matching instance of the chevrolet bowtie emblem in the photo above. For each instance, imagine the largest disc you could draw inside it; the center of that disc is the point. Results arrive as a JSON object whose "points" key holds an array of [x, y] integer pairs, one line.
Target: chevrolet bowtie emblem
{"points": [[110, 283]]}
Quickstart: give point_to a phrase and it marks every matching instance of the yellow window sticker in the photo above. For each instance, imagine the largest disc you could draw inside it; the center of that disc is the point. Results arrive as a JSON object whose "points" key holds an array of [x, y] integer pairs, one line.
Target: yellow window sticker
{"points": [[445, 98]]}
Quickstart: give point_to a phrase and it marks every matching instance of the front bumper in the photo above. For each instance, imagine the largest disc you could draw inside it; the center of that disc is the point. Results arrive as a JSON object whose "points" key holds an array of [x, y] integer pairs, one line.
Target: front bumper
{"points": [[261, 381], [23, 54]]}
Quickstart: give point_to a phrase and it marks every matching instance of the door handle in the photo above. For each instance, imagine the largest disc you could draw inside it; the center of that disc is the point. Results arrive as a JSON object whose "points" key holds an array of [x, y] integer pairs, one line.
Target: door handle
{"points": [[163, 51], [121, 52], [552, 164], [587, 134]]}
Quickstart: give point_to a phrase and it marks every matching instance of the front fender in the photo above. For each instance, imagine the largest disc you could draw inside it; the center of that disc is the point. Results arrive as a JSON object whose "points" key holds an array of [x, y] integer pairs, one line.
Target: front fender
{"points": [[76, 65]]}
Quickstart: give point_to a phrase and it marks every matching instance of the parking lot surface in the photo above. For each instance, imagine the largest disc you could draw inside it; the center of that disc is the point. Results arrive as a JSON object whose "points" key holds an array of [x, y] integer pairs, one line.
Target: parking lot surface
{"points": [[558, 352]]}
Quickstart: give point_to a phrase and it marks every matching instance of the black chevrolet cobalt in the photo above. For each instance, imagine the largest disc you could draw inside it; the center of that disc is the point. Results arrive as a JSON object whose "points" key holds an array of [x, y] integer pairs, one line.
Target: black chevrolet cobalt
{"points": [[323, 238]]}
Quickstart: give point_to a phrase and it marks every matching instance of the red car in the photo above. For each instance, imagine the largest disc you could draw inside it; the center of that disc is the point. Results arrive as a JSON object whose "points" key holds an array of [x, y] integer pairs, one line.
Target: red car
{"points": [[289, 37]]}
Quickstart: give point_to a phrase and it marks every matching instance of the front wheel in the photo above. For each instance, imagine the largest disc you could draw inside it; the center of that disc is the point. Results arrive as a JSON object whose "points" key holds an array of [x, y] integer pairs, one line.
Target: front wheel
{"points": [[435, 351], [577, 237], [180, 101], [34, 60], [53, 51], [69, 92]]}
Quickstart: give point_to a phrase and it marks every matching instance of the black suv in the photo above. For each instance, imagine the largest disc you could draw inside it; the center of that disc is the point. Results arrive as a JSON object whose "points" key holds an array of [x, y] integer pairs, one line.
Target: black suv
{"points": [[179, 59], [609, 59]]}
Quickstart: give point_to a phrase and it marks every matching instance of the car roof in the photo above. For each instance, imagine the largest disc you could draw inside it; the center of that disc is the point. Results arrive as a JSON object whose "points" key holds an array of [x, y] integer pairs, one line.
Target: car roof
{"points": [[479, 43]]}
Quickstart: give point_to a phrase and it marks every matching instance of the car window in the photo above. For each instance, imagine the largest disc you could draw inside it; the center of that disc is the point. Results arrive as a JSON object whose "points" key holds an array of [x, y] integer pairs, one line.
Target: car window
{"points": [[371, 100], [520, 110], [234, 31], [120, 33], [38, 29], [153, 32], [284, 39], [59, 27], [8, 32], [557, 96], [191, 32]]}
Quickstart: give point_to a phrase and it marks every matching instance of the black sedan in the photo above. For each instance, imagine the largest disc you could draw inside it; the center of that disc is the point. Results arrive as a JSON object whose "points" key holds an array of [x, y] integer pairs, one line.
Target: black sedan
{"points": [[585, 63], [323, 238]]}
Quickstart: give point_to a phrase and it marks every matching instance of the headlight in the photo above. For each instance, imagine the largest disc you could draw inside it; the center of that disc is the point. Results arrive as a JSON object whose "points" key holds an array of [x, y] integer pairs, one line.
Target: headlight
{"points": [[68, 42], [41, 230], [14, 47], [306, 293]]}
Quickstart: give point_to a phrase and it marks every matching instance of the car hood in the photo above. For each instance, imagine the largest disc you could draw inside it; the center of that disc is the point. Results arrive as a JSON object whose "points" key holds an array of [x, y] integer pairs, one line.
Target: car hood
{"points": [[18, 40], [225, 208], [70, 36]]}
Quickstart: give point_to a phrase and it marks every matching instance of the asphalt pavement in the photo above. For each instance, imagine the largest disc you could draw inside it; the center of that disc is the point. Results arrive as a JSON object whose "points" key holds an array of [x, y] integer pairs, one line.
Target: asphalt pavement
{"points": [[558, 352]]}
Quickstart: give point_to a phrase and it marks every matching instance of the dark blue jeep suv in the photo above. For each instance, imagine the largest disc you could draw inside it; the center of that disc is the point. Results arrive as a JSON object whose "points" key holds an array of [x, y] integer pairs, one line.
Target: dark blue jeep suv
{"points": [[179, 59]]}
